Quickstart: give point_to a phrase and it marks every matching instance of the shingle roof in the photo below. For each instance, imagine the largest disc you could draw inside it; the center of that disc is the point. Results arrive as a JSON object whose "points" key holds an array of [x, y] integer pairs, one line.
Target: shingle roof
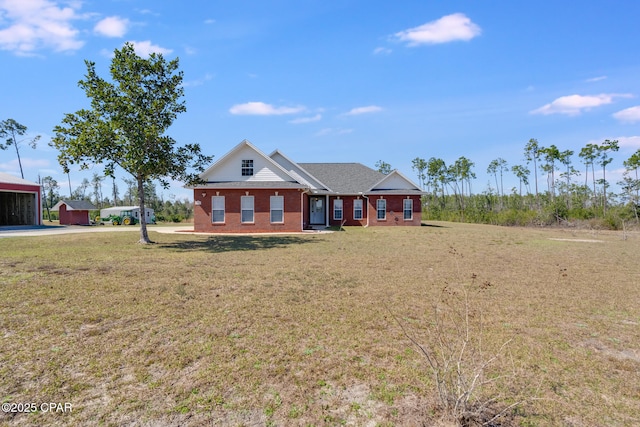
{"points": [[344, 178], [77, 205]]}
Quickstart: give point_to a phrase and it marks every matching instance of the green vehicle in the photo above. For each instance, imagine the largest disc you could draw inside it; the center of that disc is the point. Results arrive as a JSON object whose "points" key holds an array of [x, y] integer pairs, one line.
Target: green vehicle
{"points": [[123, 217]]}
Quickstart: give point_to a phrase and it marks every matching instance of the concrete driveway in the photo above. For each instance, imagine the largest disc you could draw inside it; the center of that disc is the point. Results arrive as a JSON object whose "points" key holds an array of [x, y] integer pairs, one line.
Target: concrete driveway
{"points": [[48, 230]]}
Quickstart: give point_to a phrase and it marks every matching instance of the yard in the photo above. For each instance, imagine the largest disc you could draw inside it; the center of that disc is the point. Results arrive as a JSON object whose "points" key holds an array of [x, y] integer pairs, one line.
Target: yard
{"points": [[315, 329]]}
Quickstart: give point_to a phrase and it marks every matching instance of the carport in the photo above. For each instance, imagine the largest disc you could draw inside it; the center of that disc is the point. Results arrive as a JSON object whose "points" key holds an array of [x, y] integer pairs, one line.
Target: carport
{"points": [[20, 201]]}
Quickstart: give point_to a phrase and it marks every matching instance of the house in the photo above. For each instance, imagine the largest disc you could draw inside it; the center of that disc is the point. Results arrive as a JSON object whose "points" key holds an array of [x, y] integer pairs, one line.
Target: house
{"points": [[247, 191], [74, 212], [20, 201]]}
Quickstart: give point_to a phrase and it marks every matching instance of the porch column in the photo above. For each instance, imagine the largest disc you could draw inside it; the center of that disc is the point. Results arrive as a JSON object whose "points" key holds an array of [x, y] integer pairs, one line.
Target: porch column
{"points": [[326, 210]]}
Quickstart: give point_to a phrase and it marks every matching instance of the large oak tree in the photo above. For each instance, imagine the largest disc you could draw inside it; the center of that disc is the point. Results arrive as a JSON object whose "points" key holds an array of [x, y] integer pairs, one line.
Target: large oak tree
{"points": [[126, 124]]}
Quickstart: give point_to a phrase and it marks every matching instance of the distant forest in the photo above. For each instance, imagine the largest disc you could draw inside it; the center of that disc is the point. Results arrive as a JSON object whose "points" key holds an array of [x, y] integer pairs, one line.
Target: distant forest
{"points": [[105, 192], [570, 197]]}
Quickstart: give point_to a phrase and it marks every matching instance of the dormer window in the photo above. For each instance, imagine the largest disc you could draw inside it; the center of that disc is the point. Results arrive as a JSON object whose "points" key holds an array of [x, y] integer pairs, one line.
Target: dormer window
{"points": [[247, 168]]}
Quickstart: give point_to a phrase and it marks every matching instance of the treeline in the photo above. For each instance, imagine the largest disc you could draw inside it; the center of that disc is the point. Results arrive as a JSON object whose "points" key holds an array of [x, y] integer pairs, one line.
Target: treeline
{"points": [[567, 198], [103, 192]]}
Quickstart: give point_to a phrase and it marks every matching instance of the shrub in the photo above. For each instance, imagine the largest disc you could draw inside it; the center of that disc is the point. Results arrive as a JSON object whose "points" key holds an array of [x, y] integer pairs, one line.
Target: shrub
{"points": [[456, 355]]}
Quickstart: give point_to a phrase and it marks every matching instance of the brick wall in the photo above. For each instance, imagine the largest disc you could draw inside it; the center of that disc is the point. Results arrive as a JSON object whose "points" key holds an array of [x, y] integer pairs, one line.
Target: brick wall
{"points": [[394, 214], [262, 210], [347, 211]]}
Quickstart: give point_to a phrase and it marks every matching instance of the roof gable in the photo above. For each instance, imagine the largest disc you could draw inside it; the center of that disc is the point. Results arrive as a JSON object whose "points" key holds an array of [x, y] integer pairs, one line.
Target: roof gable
{"points": [[296, 171], [395, 181], [229, 167]]}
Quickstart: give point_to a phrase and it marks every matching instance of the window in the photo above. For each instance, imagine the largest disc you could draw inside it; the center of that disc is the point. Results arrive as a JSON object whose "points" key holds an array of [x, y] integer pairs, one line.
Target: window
{"points": [[407, 209], [381, 205], [247, 168], [277, 209], [337, 209], [217, 209], [357, 209], [246, 206]]}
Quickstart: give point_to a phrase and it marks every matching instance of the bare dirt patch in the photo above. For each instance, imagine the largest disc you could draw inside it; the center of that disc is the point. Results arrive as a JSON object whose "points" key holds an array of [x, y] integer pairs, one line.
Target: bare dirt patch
{"points": [[632, 354]]}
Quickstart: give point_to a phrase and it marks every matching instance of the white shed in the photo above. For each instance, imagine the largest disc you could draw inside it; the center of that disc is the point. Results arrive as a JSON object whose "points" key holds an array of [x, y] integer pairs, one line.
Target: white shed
{"points": [[150, 217]]}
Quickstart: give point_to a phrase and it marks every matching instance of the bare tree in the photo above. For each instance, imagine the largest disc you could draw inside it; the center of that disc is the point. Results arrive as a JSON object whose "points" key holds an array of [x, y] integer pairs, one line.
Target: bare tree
{"points": [[604, 160], [11, 129], [532, 153]]}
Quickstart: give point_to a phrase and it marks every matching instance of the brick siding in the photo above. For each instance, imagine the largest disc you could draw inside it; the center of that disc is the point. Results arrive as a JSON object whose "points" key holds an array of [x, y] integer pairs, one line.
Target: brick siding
{"points": [[262, 211]]}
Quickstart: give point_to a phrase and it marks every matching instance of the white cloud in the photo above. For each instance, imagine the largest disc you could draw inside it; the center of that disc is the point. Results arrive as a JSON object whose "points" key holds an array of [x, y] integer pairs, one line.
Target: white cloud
{"points": [[596, 79], [146, 48], [198, 82], [300, 120], [381, 51], [112, 26], [628, 115], [262, 109], [573, 105], [632, 142], [28, 164], [333, 131], [446, 29], [625, 142], [364, 110], [210, 21], [147, 12], [36, 24]]}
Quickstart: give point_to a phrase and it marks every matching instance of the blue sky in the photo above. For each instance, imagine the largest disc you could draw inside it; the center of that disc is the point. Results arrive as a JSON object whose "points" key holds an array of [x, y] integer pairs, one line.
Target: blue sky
{"points": [[343, 81]]}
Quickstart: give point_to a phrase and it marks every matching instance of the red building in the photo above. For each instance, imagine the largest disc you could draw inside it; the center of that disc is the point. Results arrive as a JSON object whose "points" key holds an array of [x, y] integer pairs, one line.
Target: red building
{"points": [[247, 191], [20, 201], [74, 212]]}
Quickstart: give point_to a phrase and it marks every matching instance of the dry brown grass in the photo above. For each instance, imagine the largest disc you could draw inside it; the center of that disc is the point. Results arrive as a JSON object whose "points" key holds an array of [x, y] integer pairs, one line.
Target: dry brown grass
{"points": [[293, 330]]}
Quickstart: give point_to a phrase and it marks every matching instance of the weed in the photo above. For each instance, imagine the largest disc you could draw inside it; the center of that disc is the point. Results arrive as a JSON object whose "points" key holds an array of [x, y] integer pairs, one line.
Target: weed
{"points": [[455, 352]]}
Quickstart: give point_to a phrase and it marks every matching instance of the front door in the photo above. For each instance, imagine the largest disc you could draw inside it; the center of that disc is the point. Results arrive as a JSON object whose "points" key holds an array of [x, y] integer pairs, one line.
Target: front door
{"points": [[317, 215]]}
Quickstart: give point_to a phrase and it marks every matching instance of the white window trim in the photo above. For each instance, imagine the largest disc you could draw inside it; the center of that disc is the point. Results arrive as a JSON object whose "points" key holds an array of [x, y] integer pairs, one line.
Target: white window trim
{"points": [[271, 209], [361, 202], [246, 168], [336, 210], [410, 210], [253, 209], [378, 209], [213, 209]]}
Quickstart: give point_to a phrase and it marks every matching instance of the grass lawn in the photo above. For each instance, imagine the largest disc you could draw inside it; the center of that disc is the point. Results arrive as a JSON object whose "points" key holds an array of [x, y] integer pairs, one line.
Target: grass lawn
{"points": [[314, 329]]}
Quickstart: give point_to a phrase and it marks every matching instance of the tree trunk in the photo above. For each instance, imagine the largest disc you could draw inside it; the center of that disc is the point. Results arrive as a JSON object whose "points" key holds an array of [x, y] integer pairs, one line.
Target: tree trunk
{"points": [[15, 144], [535, 176], [604, 192], [144, 236], [593, 178], [637, 192]]}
